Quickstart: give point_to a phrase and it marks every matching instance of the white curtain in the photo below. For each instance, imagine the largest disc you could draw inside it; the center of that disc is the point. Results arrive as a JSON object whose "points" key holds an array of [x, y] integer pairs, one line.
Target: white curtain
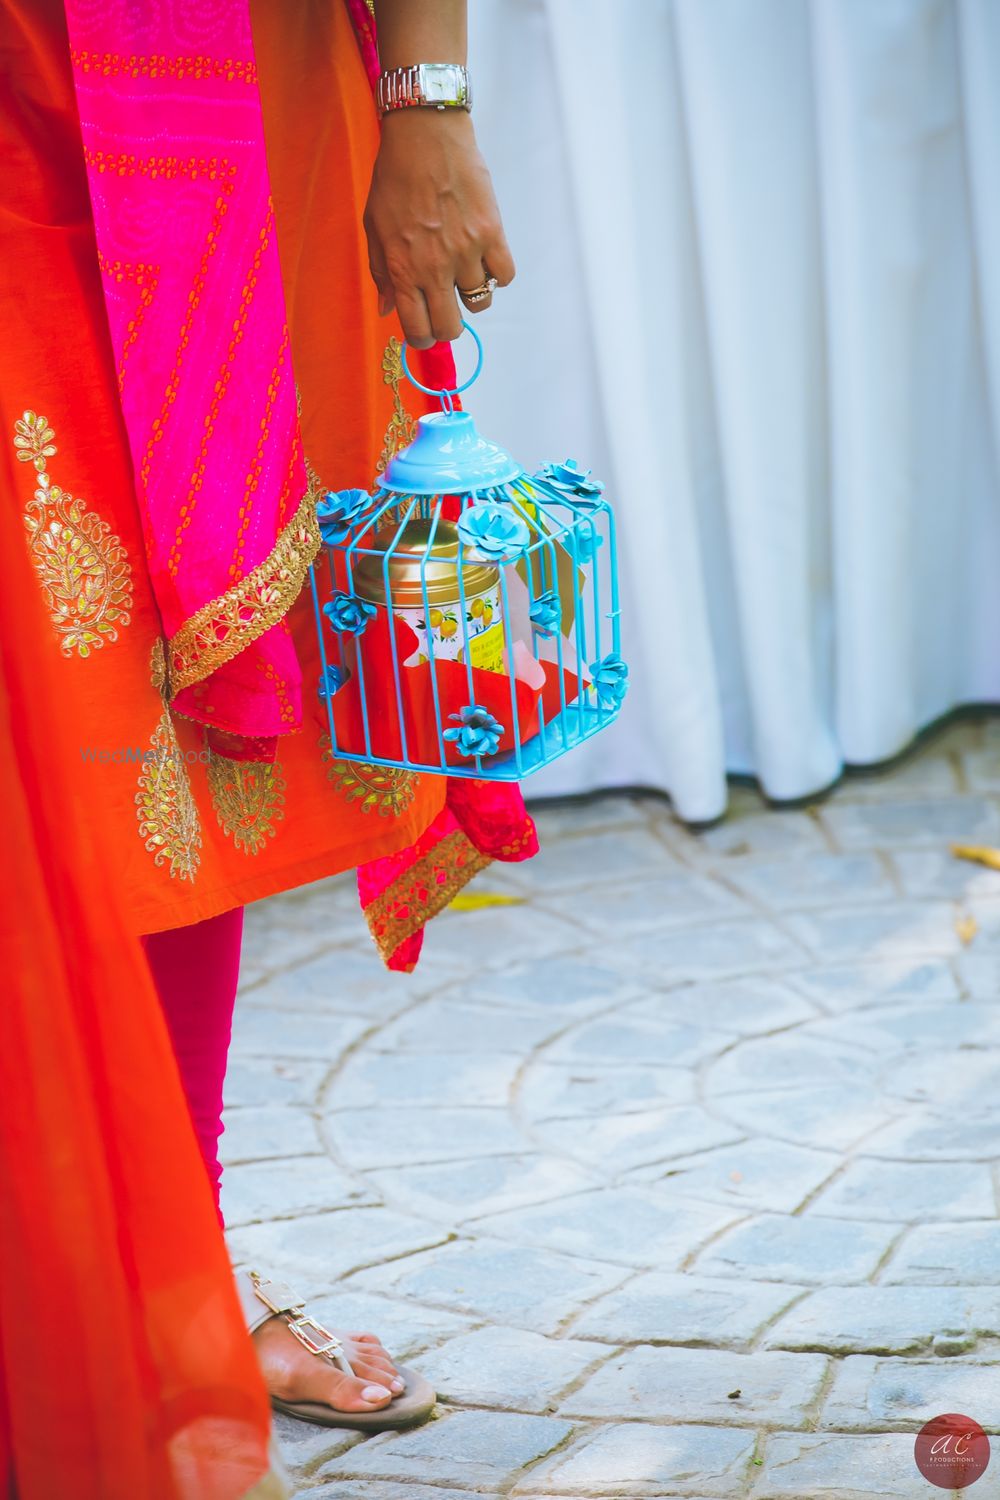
{"points": [[759, 293]]}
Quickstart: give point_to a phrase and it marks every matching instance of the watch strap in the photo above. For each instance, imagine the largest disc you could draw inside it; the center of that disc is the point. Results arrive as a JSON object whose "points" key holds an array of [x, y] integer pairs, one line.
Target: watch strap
{"points": [[426, 85]]}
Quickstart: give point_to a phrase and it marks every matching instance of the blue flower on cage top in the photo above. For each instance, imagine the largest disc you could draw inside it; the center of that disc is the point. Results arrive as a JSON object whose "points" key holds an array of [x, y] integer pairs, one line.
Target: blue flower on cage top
{"points": [[584, 539], [546, 613], [480, 733], [331, 680], [610, 678], [494, 530], [338, 511], [569, 476], [348, 613]]}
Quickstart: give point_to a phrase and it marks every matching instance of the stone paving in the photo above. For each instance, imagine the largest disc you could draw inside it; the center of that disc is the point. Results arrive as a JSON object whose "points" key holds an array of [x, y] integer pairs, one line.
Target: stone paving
{"points": [[676, 1172]]}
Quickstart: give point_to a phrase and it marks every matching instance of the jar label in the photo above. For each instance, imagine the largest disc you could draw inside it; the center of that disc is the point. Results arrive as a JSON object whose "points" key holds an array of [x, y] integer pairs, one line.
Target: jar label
{"points": [[486, 649], [441, 630]]}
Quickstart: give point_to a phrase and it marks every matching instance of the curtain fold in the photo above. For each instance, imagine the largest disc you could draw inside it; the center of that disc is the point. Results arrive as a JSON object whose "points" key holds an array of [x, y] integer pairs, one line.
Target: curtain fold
{"points": [[758, 265]]}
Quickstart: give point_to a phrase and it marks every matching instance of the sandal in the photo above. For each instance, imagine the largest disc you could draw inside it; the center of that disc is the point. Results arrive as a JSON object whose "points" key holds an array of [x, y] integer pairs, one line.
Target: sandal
{"points": [[263, 1299]]}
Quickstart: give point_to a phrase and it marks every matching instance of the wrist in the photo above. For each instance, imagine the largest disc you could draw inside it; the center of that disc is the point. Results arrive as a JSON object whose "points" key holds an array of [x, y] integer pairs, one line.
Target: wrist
{"points": [[450, 122]]}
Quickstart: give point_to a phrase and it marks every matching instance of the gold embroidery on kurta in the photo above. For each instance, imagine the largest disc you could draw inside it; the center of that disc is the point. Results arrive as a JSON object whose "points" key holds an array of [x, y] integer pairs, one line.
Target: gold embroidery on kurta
{"points": [[388, 790], [223, 628], [83, 568], [402, 428], [248, 797], [423, 890], [169, 825], [158, 671]]}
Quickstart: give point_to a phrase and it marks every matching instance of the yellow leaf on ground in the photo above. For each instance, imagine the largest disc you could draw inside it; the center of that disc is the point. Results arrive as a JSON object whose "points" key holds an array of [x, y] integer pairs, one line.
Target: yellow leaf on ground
{"points": [[980, 854], [479, 900], [966, 927]]}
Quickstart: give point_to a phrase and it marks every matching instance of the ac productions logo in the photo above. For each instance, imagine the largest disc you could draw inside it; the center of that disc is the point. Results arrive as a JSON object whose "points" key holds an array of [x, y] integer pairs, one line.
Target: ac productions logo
{"points": [[952, 1451]]}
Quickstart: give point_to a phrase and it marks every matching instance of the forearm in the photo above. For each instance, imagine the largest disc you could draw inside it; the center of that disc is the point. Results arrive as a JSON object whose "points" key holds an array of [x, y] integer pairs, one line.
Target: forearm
{"points": [[434, 231], [421, 31]]}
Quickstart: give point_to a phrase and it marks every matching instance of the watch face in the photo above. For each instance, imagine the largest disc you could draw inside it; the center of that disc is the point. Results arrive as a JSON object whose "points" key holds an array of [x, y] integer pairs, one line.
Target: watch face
{"points": [[442, 83]]}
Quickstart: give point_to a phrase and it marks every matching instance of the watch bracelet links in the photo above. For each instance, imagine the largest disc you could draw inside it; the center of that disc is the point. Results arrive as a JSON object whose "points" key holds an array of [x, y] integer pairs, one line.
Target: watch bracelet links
{"points": [[401, 88]]}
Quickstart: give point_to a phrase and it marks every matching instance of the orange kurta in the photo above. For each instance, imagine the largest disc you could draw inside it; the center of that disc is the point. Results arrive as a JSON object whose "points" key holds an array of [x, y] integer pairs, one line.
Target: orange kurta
{"points": [[192, 833]]}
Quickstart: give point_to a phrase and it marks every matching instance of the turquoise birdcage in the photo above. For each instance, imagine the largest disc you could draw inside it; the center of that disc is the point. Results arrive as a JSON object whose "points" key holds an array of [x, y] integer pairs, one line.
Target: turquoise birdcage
{"points": [[467, 612]]}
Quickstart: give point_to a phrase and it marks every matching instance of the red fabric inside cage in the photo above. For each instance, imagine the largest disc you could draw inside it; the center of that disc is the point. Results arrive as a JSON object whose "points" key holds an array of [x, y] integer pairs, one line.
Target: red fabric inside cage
{"points": [[495, 691]]}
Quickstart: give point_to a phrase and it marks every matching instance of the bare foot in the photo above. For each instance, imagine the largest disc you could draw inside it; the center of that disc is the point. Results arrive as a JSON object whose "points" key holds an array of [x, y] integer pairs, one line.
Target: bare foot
{"points": [[292, 1374]]}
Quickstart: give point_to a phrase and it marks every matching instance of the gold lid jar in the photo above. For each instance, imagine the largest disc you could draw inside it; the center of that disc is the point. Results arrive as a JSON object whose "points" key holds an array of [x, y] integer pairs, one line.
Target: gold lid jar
{"points": [[444, 632], [440, 563]]}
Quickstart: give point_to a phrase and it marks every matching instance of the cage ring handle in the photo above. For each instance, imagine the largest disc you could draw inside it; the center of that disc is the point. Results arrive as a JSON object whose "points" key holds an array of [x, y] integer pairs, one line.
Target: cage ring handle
{"points": [[446, 393]]}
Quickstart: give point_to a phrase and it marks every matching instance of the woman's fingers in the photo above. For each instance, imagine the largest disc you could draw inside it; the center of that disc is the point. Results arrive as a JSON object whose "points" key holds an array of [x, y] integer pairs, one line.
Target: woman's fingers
{"points": [[415, 317], [472, 273], [380, 274], [445, 313], [496, 255]]}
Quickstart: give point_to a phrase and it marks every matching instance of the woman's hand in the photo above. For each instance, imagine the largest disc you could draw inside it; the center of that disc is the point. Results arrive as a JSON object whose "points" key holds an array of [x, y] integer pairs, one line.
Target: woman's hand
{"points": [[432, 222]]}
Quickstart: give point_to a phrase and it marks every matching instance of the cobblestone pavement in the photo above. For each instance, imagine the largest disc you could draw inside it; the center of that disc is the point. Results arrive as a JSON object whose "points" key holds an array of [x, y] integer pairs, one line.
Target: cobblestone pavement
{"points": [[677, 1176]]}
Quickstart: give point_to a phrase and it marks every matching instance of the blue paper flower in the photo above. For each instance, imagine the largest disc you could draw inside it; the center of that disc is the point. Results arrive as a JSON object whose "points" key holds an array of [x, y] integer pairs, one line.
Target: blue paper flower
{"points": [[569, 476], [610, 678], [586, 539], [493, 529], [338, 511], [546, 613], [349, 614], [480, 733], [331, 680]]}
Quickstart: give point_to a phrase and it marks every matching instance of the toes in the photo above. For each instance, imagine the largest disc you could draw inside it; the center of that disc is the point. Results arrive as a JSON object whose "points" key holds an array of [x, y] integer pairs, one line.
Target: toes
{"points": [[378, 1370], [355, 1393]]}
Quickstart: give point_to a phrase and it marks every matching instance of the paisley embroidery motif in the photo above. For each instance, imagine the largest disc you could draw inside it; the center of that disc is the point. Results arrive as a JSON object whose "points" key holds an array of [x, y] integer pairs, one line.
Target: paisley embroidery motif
{"points": [[83, 568], [402, 428], [165, 807], [388, 790], [248, 797]]}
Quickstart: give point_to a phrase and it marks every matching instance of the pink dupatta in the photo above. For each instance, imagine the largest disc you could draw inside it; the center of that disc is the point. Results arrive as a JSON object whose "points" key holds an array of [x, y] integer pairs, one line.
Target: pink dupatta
{"points": [[173, 136]]}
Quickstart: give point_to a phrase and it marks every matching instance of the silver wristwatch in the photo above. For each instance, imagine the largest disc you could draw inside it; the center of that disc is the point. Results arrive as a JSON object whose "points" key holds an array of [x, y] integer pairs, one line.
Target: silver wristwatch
{"points": [[433, 85]]}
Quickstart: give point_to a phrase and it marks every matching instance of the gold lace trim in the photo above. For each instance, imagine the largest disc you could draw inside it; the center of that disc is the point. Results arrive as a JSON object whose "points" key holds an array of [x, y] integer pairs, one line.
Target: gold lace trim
{"points": [[169, 825], [422, 891], [223, 628], [248, 797], [387, 790], [402, 428], [83, 568]]}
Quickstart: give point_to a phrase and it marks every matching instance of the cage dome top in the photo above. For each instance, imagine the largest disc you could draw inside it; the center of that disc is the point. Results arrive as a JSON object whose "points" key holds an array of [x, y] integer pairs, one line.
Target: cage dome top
{"points": [[448, 456]]}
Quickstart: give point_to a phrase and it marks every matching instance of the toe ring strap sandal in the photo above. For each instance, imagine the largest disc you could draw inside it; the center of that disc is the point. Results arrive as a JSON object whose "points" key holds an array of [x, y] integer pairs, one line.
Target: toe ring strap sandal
{"points": [[276, 1299], [263, 1298]]}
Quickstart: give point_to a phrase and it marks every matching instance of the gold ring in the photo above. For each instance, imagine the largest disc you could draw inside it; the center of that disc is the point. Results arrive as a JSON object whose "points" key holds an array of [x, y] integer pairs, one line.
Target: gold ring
{"points": [[481, 292]]}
